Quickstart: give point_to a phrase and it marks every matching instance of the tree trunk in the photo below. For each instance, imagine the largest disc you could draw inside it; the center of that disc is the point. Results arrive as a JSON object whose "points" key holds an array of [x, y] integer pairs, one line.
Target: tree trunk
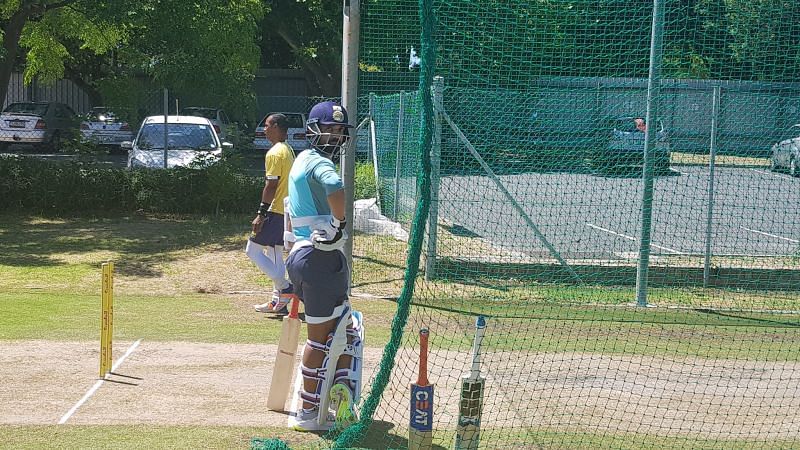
{"points": [[11, 34], [95, 99]]}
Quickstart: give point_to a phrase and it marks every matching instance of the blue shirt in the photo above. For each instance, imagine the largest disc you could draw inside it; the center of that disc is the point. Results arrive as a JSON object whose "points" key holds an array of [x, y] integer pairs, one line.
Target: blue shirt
{"points": [[312, 179]]}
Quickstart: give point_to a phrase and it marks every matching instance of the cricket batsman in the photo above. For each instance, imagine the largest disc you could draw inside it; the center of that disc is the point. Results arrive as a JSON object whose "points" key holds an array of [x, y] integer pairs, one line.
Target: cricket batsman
{"points": [[328, 383]]}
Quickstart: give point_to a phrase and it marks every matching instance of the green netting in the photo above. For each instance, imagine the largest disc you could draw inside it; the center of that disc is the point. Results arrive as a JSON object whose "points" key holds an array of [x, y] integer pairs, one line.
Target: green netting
{"points": [[640, 288]]}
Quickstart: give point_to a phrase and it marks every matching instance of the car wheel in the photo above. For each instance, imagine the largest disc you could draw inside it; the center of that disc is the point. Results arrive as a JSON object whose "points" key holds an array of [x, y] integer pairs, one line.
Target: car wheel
{"points": [[793, 169]]}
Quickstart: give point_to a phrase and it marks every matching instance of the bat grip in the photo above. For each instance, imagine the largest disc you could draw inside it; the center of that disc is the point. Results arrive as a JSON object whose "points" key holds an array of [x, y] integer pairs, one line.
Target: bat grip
{"points": [[422, 380], [294, 310]]}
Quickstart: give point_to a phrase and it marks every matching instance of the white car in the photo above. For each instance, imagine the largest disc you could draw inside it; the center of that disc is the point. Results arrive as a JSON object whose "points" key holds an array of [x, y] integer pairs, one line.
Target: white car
{"points": [[42, 124], [189, 140], [785, 154], [103, 126], [218, 118], [297, 133]]}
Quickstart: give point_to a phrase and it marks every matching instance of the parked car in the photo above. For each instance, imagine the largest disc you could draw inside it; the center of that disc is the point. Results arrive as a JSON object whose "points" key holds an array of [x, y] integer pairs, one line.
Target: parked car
{"points": [[624, 145], [297, 133], [785, 154], [104, 126], [189, 140], [222, 124], [41, 124]]}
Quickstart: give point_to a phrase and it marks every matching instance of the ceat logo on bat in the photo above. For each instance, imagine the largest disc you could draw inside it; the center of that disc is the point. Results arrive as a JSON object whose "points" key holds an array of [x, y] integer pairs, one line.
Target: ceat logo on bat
{"points": [[422, 408]]}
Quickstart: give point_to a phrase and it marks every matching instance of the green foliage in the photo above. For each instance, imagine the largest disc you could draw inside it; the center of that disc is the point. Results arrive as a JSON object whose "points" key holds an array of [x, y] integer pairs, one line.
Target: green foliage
{"points": [[133, 95], [34, 186], [365, 181], [45, 39], [204, 51]]}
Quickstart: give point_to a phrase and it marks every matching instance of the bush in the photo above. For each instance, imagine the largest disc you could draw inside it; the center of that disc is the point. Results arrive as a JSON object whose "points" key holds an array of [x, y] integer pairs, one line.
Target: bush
{"points": [[364, 181], [49, 188]]}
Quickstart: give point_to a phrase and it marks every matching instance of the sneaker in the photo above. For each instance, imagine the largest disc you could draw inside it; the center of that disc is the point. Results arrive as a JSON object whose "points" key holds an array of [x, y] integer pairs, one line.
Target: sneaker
{"points": [[306, 420], [284, 297], [264, 307], [342, 405], [279, 303]]}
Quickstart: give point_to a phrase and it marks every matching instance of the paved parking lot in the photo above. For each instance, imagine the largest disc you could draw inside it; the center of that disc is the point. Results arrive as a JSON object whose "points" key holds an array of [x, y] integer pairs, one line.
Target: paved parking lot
{"points": [[589, 216]]}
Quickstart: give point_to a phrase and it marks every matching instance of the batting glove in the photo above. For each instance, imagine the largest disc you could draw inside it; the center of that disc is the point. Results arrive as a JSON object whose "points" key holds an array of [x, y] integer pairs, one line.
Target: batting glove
{"points": [[330, 236]]}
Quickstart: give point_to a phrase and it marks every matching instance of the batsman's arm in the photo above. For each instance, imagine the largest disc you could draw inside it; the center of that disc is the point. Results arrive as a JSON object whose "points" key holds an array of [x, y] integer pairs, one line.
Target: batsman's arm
{"points": [[336, 203]]}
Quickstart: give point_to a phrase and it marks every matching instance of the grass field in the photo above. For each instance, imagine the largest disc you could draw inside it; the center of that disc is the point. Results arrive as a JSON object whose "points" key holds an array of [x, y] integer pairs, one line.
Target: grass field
{"points": [[724, 160], [186, 279]]}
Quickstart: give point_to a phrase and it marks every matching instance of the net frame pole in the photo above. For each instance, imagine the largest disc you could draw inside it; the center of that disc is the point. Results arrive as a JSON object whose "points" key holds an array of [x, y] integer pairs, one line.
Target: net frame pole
{"points": [[398, 160], [711, 173], [166, 131], [373, 143], [351, 13], [436, 152], [653, 94]]}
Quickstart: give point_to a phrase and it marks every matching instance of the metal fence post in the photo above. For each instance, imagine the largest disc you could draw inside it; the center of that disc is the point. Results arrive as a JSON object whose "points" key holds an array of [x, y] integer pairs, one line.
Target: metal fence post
{"points": [[436, 151], [373, 153], [166, 131], [653, 93], [397, 159], [350, 39], [711, 166]]}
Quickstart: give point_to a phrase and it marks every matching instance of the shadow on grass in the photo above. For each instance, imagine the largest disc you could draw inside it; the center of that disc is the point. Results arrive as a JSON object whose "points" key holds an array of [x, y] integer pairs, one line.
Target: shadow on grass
{"points": [[144, 242], [763, 320]]}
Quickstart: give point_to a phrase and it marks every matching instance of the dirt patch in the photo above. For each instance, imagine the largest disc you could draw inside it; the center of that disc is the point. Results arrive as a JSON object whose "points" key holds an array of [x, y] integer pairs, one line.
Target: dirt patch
{"points": [[176, 383]]}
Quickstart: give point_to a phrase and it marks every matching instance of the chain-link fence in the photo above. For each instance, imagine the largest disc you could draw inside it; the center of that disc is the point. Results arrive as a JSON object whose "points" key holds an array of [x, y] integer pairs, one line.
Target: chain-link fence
{"points": [[611, 186]]}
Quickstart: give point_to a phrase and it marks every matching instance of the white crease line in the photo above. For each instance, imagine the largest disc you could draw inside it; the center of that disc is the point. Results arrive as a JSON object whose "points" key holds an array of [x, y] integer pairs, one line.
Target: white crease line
{"points": [[774, 174], [97, 385], [795, 241], [631, 238]]}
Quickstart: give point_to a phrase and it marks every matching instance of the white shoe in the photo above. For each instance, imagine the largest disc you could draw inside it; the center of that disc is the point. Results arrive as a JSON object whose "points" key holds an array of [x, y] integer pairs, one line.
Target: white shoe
{"points": [[264, 307], [304, 420]]}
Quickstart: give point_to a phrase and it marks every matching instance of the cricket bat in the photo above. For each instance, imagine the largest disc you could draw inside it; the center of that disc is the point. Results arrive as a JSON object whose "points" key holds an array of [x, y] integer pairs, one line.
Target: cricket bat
{"points": [[420, 430], [470, 408], [282, 373]]}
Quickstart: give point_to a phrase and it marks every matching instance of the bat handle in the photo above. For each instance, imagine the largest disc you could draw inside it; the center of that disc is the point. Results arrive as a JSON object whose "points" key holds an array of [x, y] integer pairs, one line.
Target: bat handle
{"points": [[293, 311], [422, 380]]}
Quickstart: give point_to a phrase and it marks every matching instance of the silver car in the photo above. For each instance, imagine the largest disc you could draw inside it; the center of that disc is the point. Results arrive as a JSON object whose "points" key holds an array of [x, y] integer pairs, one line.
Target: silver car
{"points": [[625, 145], [785, 154], [297, 133], [42, 124], [105, 127], [189, 140]]}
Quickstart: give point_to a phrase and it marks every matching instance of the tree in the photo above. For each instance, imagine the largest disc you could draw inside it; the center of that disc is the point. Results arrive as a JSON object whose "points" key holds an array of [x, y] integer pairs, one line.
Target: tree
{"points": [[204, 50], [312, 32], [42, 27]]}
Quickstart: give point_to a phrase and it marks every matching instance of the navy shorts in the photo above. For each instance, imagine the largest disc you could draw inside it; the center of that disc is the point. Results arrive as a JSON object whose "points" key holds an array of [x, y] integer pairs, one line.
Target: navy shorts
{"points": [[271, 233], [321, 279]]}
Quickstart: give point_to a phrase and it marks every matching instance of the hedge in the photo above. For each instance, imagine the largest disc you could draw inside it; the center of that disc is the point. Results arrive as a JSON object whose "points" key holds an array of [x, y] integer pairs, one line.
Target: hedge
{"points": [[36, 186]]}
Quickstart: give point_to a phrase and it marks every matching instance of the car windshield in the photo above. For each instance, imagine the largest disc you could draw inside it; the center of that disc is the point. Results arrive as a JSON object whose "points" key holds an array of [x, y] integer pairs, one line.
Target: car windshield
{"points": [[200, 112], [35, 109], [181, 136]]}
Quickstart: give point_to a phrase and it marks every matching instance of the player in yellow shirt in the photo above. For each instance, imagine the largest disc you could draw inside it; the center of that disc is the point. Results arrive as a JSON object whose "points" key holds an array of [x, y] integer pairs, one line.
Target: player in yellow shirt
{"points": [[265, 246]]}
